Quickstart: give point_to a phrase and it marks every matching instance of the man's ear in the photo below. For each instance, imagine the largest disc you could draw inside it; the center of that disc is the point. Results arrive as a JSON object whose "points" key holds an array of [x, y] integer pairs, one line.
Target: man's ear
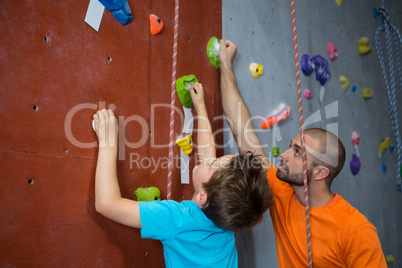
{"points": [[321, 173], [202, 199]]}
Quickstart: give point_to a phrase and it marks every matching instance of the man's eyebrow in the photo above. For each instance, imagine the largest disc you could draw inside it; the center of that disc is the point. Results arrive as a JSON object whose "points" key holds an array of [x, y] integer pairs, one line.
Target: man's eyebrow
{"points": [[297, 146]]}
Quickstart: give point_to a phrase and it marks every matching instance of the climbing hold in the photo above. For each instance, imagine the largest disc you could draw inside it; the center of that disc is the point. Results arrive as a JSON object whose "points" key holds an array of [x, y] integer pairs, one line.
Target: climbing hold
{"points": [[355, 165], [391, 148], [156, 24], [354, 88], [256, 69], [383, 167], [120, 10], [307, 64], [185, 143], [364, 48], [390, 258], [355, 138], [275, 151], [385, 144], [356, 141], [332, 51], [276, 116], [307, 94], [367, 93], [182, 86], [375, 13], [213, 49], [148, 194], [344, 82], [322, 69], [339, 2]]}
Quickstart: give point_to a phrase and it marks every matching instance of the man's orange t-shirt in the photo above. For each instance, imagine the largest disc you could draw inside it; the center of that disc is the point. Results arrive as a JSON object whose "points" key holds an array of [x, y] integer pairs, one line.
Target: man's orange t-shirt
{"points": [[340, 235]]}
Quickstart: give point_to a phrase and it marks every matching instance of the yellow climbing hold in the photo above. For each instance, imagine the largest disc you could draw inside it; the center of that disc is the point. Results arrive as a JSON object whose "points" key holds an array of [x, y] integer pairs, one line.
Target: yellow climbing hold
{"points": [[344, 82], [185, 143], [364, 48], [256, 69], [385, 144], [339, 2], [367, 93], [390, 258]]}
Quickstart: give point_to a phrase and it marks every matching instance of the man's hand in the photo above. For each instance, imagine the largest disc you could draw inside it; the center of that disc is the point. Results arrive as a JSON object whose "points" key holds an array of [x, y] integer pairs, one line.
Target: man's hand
{"points": [[227, 53], [197, 96]]}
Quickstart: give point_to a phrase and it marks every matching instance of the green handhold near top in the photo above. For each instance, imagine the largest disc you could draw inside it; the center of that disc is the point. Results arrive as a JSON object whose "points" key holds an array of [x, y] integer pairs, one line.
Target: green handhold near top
{"points": [[213, 48], [275, 151], [182, 86], [148, 194]]}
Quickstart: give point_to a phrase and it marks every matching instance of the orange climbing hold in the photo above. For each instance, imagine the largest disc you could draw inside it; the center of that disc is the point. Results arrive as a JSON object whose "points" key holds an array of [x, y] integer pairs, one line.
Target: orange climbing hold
{"points": [[156, 24]]}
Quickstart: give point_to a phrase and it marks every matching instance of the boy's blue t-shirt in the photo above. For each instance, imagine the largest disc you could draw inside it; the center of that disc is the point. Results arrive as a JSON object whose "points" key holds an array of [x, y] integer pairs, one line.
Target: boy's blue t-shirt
{"points": [[189, 238]]}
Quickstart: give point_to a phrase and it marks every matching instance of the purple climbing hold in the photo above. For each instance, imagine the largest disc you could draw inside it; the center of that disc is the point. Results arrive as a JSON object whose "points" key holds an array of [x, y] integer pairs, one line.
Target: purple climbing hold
{"points": [[322, 68], [355, 165], [307, 64]]}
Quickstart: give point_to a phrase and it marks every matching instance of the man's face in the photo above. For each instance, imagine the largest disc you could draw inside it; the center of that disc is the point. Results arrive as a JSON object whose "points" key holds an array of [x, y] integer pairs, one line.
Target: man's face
{"points": [[290, 168]]}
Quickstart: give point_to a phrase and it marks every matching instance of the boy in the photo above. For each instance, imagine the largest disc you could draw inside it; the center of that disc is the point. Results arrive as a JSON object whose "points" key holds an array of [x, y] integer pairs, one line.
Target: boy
{"points": [[230, 192]]}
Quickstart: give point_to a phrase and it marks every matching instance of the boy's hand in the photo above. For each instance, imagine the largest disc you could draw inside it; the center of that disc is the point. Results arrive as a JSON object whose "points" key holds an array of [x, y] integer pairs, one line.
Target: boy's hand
{"points": [[106, 128], [197, 95], [227, 53]]}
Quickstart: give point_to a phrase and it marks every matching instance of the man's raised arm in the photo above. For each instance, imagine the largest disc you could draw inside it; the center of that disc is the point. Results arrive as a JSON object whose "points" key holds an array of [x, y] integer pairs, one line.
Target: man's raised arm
{"points": [[235, 109]]}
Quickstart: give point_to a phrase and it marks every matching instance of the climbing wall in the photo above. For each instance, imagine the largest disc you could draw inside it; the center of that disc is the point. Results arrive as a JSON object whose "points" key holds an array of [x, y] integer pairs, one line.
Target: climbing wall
{"points": [[262, 31], [56, 71]]}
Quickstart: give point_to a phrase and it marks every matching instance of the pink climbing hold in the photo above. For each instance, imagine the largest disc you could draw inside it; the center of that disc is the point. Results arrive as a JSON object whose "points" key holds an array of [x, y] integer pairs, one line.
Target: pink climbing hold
{"points": [[332, 51], [355, 138], [307, 94]]}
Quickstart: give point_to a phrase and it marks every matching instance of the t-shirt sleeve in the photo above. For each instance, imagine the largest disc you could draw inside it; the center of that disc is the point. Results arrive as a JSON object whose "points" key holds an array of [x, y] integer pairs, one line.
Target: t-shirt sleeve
{"points": [[157, 219], [363, 248]]}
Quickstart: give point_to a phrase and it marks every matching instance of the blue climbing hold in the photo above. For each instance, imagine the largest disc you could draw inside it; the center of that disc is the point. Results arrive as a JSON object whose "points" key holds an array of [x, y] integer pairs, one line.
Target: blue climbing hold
{"points": [[375, 13], [354, 88], [322, 69], [391, 148], [120, 10], [383, 167], [307, 64]]}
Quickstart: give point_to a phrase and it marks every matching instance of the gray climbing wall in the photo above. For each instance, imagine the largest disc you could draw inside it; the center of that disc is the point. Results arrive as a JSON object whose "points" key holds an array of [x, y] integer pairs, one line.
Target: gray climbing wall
{"points": [[262, 31]]}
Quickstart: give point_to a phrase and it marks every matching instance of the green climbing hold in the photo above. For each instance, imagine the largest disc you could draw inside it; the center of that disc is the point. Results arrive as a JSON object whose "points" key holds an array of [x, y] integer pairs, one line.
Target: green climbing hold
{"points": [[148, 194], [275, 151], [213, 48], [182, 86]]}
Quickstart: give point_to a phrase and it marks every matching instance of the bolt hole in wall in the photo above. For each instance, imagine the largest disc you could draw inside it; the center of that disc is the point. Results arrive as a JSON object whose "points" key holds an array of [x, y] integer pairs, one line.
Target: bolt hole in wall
{"points": [[30, 181], [145, 253], [35, 108], [46, 38], [109, 58]]}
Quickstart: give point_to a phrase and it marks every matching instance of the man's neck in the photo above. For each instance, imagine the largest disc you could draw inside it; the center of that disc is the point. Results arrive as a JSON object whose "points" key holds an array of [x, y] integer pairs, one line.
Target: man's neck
{"points": [[317, 197]]}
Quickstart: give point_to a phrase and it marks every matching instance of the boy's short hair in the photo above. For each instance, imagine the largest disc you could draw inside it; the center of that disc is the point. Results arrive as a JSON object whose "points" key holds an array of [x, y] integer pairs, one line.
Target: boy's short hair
{"points": [[238, 194]]}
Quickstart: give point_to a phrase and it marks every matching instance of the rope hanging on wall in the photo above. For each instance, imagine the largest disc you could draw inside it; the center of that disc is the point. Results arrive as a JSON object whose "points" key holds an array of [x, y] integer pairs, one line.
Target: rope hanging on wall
{"points": [[299, 100], [173, 99], [389, 28]]}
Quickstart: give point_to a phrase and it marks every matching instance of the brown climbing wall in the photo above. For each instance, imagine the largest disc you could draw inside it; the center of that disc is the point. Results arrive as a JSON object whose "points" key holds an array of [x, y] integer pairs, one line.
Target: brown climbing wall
{"points": [[56, 71]]}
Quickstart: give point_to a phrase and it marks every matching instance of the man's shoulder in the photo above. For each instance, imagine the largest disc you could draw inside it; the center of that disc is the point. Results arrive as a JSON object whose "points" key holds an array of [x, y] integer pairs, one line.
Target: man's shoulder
{"points": [[348, 217]]}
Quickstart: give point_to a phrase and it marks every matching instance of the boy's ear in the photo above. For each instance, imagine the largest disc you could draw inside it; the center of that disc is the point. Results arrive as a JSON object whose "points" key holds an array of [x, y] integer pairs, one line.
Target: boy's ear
{"points": [[202, 198]]}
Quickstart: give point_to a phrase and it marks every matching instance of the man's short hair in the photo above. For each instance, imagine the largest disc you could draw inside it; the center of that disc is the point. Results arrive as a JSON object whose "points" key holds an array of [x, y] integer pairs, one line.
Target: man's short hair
{"points": [[238, 194], [331, 152]]}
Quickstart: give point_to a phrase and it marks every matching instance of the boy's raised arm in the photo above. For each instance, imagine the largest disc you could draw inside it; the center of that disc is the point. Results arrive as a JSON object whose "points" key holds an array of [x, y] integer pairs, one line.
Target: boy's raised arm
{"points": [[235, 109], [205, 139], [108, 200]]}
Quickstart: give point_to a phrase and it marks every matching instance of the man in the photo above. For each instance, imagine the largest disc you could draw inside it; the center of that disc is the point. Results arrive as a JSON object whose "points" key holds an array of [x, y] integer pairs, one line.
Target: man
{"points": [[340, 235]]}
